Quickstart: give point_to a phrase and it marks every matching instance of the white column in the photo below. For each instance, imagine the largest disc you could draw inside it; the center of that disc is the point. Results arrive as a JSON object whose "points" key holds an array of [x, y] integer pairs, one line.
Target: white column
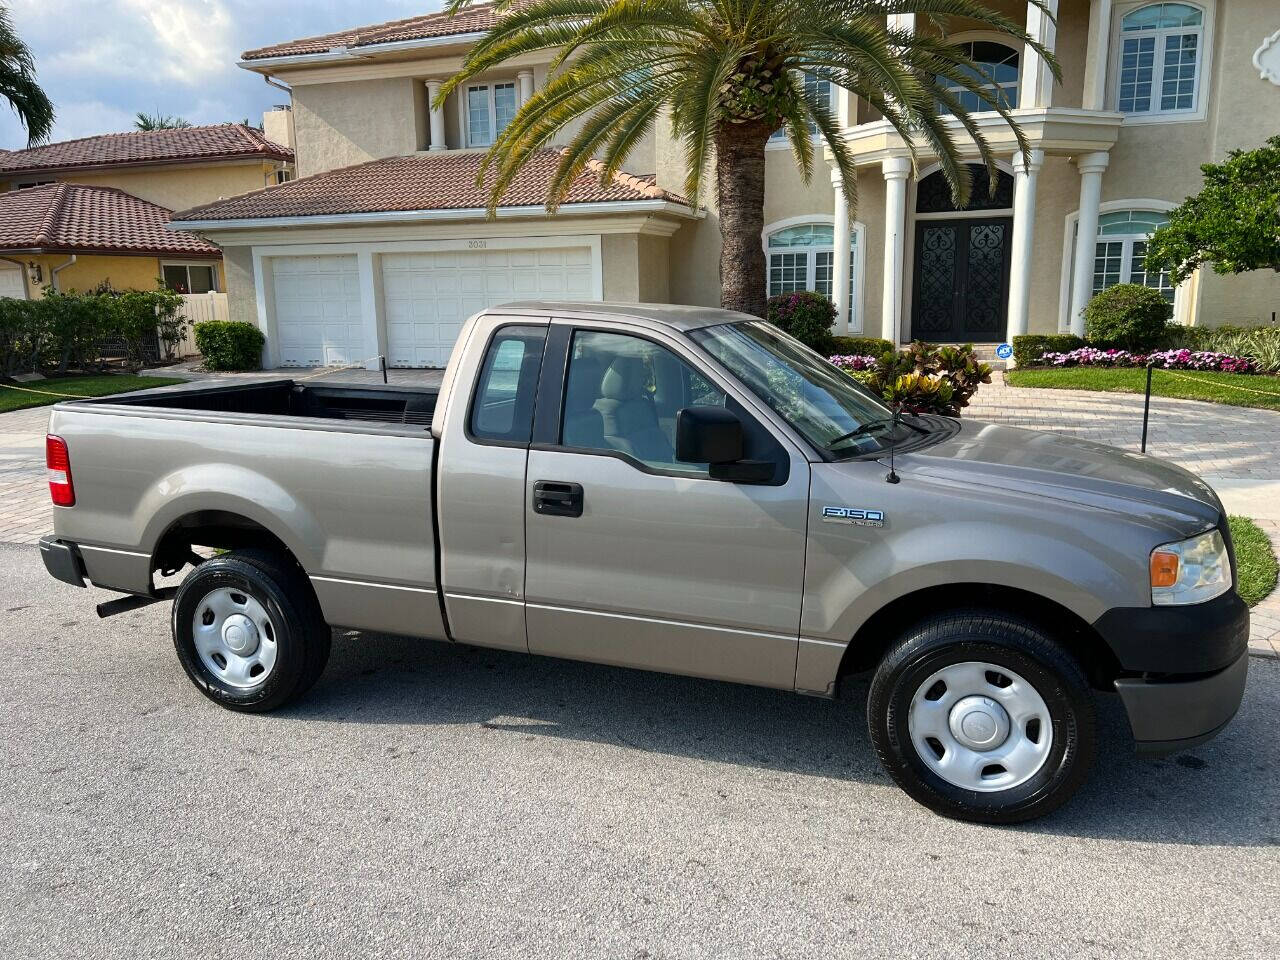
{"points": [[895, 171], [840, 254], [1035, 88], [1025, 174], [525, 77], [437, 116], [1091, 166], [1097, 55]]}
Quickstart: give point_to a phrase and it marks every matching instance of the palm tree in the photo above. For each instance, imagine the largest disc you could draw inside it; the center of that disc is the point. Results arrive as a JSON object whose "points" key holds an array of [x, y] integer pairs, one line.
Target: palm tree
{"points": [[18, 83], [159, 121], [727, 74]]}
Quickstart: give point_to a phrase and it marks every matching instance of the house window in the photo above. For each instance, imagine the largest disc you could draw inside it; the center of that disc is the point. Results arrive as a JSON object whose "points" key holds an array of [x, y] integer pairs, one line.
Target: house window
{"points": [[190, 277], [1121, 249], [1160, 48], [283, 175], [819, 88], [802, 258], [490, 107], [997, 74], [26, 184]]}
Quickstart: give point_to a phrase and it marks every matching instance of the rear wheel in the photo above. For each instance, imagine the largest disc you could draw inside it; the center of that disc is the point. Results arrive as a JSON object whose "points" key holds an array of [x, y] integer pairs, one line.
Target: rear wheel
{"points": [[981, 716], [248, 630]]}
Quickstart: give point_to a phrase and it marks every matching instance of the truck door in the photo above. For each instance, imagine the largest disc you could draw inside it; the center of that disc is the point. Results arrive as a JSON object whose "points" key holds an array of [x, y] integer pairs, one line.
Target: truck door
{"points": [[481, 479], [637, 559]]}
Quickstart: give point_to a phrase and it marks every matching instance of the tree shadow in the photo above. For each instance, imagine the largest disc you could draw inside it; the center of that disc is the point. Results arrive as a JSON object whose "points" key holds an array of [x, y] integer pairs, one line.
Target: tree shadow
{"points": [[1220, 793]]}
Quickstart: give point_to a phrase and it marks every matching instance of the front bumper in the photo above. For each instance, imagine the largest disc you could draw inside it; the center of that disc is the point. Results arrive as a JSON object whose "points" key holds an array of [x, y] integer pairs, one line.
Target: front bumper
{"points": [[1174, 714], [62, 560]]}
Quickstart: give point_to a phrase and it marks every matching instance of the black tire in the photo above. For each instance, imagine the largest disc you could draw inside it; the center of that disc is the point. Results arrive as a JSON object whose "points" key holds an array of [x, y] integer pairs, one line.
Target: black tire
{"points": [[301, 635], [1001, 640]]}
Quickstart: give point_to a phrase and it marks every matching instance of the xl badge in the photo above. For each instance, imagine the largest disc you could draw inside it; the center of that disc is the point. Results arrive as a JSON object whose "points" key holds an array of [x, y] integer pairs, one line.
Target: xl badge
{"points": [[859, 518]]}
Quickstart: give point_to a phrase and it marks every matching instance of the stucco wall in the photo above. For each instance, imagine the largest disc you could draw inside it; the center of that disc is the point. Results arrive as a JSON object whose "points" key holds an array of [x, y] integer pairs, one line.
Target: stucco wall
{"points": [[180, 187], [339, 124], [124, 273], [242, 297]]}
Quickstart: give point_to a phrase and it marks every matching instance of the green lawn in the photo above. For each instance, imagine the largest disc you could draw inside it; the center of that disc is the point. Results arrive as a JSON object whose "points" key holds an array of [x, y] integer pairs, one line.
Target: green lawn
{"points": [[94, 386], [1237, 389], [1255, 561]]}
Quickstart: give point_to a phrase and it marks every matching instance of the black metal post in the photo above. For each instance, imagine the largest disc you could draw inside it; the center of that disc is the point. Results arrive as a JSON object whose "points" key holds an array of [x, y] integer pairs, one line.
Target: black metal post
{"points": [[382, 362], [1146, 407]]}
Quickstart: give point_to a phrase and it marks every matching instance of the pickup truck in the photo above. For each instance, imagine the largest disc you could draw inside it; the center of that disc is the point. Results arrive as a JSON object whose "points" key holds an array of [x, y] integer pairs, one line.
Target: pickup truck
{"points": [[684, 490]]}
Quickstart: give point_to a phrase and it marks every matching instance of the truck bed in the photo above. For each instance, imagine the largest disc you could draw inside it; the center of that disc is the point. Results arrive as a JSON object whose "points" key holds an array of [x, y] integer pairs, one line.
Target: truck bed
{"points": [[289, 398]]}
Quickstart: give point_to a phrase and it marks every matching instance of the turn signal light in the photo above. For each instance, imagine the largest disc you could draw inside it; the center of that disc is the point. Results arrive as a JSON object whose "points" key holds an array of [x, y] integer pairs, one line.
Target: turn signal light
{"points": [[1164, 569], [58, 461]]}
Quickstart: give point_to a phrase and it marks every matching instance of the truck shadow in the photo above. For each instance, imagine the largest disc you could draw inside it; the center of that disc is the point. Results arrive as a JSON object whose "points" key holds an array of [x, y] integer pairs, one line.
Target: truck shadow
{"points": [[1223, 792]]}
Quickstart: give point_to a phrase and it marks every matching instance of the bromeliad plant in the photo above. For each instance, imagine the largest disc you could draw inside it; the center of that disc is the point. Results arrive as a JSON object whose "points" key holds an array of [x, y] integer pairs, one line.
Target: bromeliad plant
{"points": [[725, 75]]}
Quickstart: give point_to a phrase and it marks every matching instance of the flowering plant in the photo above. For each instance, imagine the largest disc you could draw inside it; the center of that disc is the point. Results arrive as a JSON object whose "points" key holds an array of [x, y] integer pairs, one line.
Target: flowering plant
{"points": [[854, 362], [1167, 360]]}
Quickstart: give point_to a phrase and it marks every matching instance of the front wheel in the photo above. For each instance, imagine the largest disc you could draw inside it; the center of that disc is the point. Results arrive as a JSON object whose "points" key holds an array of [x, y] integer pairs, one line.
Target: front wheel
{"points": [[982, 717]]}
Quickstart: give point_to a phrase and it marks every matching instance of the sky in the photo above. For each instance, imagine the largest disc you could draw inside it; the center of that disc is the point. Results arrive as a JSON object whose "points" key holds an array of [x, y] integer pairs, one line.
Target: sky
{"points": [[103, 61]]}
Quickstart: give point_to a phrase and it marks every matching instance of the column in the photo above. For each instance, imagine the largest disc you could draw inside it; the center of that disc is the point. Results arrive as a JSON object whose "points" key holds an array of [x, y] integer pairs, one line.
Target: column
{"points": [[437, 116], [1097, 54], [840, 254], [1025, 173], [1091, 166], [895, 171], [1035, 88], [525, 77]]}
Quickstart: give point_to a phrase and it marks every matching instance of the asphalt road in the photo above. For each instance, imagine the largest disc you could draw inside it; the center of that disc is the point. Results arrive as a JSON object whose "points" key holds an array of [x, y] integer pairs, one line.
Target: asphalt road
{"points": [[439, 801]]}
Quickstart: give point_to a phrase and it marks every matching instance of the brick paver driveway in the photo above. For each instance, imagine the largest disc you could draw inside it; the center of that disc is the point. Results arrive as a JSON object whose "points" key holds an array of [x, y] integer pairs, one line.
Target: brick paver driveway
{"points": [[1217, 442]]}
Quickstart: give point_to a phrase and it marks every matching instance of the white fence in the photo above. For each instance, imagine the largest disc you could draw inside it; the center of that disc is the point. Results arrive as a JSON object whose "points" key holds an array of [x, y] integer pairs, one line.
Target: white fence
{"points": [[197, 308]]}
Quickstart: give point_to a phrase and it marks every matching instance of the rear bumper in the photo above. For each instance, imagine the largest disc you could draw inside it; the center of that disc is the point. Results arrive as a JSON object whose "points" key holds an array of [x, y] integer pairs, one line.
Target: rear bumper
{"points": [[62, 560], [1171, 715]]}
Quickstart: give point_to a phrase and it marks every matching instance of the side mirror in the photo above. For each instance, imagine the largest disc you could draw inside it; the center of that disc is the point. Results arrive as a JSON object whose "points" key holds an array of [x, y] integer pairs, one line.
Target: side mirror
{"points": [[708, 435]]}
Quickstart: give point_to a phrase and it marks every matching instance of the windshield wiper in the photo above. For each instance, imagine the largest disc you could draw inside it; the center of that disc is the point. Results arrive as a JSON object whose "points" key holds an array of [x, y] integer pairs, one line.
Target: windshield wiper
{"points": [[872, 425]]}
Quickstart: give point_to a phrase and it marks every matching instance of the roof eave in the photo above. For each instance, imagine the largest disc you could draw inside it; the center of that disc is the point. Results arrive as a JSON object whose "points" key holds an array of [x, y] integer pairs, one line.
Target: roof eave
{"points": [[348, 54], [659, 206], [10, 173], [110, 252]]}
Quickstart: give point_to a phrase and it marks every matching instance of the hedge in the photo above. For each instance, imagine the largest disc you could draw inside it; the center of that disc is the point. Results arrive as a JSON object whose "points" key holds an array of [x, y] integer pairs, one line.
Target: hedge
{"points": [[861, 346], [229, 345], [1129, 316], [1028, 348]]}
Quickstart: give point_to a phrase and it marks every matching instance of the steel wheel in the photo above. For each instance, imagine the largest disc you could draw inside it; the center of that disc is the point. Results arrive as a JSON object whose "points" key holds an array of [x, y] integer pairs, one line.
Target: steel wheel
{"points": [[980, 726], [235, 638]]}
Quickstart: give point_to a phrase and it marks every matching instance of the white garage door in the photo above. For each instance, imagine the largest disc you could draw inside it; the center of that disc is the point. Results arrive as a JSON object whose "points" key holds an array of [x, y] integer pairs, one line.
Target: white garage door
{"points": [[11, 282], [318, 316], [427, 296]]}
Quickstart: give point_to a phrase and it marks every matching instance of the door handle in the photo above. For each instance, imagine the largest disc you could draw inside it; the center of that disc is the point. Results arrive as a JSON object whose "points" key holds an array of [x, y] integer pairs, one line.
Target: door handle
{"points": [[557, 499]]}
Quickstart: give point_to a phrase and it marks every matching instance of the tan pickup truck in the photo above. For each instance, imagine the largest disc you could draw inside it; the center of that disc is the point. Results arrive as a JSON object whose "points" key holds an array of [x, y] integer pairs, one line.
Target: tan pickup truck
{"points": [[684, 490]]}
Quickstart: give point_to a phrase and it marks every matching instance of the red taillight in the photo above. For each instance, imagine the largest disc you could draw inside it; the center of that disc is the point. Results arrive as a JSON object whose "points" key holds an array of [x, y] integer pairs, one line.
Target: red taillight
{"points": [[59, 464]]}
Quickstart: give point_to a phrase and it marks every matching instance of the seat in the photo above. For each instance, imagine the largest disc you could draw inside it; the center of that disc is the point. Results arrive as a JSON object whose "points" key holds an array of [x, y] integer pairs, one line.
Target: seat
{"points": [[627, 412], [583, 425]]}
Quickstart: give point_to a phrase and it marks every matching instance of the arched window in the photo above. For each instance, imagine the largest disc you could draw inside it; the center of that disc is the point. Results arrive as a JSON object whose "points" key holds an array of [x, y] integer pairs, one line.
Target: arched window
{"points": [[998, 75], [800, 257], [1121, 249], [1161, 48]]}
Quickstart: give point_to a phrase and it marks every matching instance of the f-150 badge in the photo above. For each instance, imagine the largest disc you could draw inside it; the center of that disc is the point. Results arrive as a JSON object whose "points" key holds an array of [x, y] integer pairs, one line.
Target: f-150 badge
{"points": [[859, 518]]}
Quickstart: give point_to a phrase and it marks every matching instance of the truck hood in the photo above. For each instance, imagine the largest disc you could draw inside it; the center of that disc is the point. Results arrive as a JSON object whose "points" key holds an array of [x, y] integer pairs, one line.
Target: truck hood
{"points": [[1065, 468]]}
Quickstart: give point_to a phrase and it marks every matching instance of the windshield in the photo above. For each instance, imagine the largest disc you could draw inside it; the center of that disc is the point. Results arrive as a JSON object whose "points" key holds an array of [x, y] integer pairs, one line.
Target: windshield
{"points": [[824, 404]]}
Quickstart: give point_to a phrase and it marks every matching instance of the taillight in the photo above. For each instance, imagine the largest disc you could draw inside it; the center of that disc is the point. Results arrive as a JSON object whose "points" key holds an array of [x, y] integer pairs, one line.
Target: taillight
{"points": [[59, 464]]}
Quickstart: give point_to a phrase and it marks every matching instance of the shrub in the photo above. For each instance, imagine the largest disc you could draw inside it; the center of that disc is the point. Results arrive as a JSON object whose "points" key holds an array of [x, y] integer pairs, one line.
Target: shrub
{"points": [[1260, 345], [1029, 348], [229, 344], [1128, 316], [860, 346], [21, 337], [921, 377], [805, 315], [1166, 360]]}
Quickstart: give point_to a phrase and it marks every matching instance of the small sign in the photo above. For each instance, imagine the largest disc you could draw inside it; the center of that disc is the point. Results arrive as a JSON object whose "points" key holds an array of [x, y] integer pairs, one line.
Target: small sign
{"points": [[1004, 351]]}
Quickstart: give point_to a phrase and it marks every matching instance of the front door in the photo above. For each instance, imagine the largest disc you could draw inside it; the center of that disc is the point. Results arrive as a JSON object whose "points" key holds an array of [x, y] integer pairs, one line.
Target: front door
{"points": [[639, 560], [961, 291]]}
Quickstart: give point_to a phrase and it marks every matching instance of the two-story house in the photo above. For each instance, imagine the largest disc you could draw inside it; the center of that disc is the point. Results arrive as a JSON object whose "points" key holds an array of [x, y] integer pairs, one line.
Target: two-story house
{"points": [[79, 213], [382, 246]]}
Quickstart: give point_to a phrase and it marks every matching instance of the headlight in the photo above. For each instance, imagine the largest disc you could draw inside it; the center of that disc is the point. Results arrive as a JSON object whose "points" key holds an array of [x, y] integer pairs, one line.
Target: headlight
{"points": [[1190, 571]]}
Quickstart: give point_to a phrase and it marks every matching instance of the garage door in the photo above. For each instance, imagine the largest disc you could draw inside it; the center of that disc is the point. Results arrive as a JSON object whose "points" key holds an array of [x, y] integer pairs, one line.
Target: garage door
{"points": [[11, 282], [427, 296], [318, 317]]}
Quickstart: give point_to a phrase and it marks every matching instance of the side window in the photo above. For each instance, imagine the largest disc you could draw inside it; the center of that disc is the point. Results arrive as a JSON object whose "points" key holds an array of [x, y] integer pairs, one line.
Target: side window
{"points": [[502, 408], [622, 394]]}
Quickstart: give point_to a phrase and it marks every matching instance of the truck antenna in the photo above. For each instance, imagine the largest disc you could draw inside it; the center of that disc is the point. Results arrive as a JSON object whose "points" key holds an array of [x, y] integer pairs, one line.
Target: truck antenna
{"points": [[892, 476]]}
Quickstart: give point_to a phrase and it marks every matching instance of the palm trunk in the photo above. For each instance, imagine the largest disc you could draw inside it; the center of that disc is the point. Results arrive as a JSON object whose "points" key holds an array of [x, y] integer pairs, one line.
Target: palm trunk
{"points": [[740, 196]]}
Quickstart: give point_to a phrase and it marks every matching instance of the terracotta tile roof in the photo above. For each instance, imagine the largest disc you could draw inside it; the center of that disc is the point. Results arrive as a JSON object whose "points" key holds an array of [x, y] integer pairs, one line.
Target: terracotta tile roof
{"points": [[224, 141], [426, 181], [472, 20], [73, 218]]}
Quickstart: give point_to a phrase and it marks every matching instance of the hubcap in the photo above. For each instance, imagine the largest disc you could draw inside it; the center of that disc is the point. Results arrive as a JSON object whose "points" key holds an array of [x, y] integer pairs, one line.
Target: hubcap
{"points": [[980, 726], [234, 637]]}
